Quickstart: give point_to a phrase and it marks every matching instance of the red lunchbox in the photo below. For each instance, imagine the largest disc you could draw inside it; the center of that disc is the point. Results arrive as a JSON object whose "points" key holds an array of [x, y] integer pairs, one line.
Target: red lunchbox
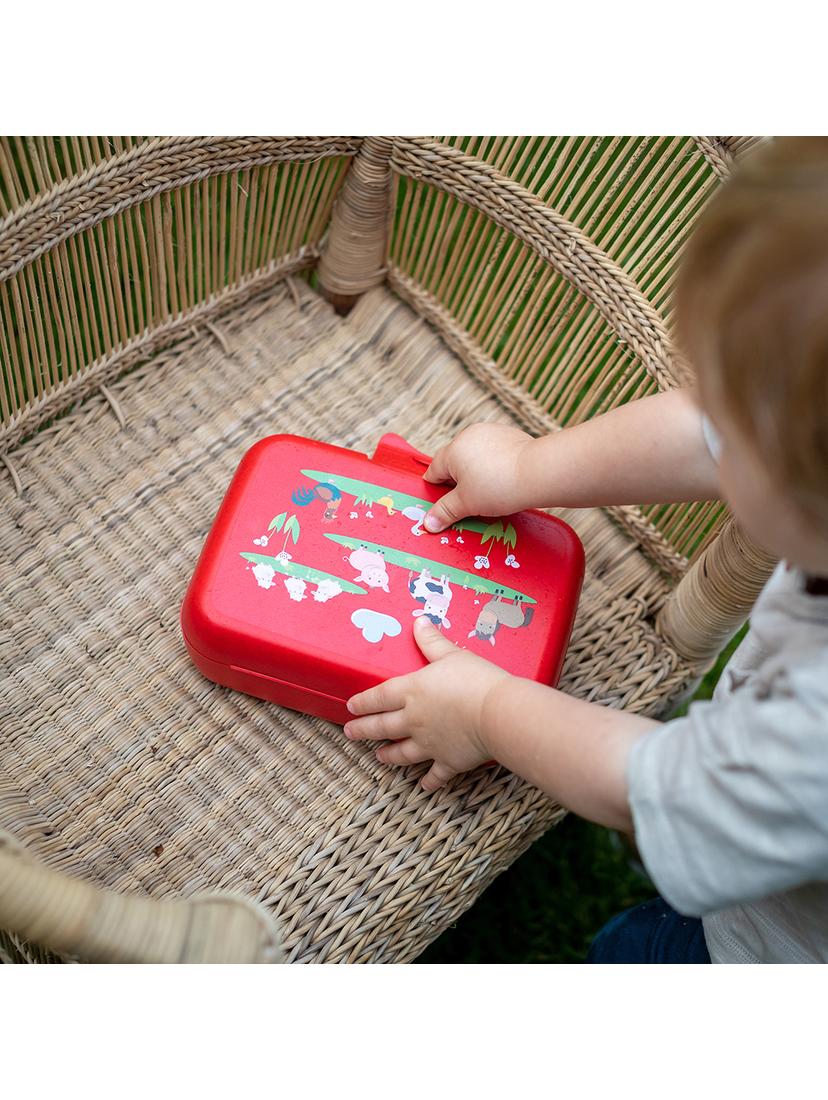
{"points": [[317, 565]]}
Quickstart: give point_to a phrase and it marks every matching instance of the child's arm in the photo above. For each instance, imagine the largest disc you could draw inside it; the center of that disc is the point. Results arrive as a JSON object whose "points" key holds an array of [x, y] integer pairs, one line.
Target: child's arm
{"points": [[650, 451], [461, 710], [574, 751]]}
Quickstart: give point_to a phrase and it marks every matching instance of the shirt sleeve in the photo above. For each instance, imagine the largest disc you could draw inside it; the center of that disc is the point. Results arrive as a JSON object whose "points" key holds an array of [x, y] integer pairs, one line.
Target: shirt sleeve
{"points": [[711, 438], [729, 802]]}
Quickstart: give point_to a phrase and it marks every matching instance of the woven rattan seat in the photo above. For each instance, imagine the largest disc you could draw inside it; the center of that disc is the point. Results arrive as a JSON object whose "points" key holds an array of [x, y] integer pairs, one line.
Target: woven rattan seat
{"points": [[124, 775]]}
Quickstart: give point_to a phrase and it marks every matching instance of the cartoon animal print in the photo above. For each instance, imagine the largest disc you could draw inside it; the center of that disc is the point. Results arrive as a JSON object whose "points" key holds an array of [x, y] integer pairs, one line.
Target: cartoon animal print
{"points": [[417, 514], [435, 596], [264, 574], [296, 588], [388, 503], [326, 590], [371, 566], [324, 490], [497, 613]]}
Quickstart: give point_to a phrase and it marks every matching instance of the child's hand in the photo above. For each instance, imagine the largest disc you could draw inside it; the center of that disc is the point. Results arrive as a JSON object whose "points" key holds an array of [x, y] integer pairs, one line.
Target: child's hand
{"points": [[434, 713], [484, 462]]}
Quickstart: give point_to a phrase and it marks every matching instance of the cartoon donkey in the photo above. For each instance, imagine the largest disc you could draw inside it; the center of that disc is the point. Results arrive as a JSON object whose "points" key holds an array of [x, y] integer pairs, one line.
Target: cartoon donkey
{"points": [[323, 490], [435, 596], [497, 613]]}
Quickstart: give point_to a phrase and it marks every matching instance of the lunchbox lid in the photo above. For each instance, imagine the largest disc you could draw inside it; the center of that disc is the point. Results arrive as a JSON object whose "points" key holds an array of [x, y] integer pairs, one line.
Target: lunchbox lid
{"points": [[318, 564]]}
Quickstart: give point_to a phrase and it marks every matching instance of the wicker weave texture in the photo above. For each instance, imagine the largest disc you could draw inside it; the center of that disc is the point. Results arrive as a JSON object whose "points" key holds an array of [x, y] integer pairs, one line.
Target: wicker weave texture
{"points": [[147, 778], [144, 237], [545, 265], [556, 257]]}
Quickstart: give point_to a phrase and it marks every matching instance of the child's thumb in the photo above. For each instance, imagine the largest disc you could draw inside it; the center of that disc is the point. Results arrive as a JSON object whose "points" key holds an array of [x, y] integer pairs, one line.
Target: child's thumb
{"points": [[432, 642], [446, 511]]}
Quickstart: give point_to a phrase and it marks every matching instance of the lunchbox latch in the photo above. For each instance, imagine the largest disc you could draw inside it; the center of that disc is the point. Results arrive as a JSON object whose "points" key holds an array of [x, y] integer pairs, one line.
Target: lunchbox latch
{"points": [[393, 450]]}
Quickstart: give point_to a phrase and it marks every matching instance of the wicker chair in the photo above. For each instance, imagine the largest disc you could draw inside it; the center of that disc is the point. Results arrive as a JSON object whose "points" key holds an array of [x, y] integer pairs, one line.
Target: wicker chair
{"points": [[165, 302]]}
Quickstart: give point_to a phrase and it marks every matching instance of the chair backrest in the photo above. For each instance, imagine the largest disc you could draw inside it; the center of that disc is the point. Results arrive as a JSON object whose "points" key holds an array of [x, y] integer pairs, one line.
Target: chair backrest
{"points": [[546, 263]]}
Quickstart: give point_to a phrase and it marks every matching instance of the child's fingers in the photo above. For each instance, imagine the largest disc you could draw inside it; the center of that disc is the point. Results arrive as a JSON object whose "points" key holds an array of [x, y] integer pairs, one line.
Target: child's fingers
{"points": [[402, 752], [437, 470], [444, 512], [437, 776], [432, 642], [376, 727], [385, 696]]}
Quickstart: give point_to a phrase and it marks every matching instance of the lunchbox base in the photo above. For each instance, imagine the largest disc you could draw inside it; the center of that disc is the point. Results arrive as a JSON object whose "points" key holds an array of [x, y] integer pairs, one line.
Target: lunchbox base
{"points": [[271, 688]]}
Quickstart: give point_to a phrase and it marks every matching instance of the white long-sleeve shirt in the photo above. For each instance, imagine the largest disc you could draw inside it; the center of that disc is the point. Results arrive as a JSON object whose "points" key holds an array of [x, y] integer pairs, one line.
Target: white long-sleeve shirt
{"points": [[730, 802]]}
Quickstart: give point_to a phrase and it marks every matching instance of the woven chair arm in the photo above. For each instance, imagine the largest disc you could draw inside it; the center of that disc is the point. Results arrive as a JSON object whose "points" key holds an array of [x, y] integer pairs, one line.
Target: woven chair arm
{"points": [[74, 919]]}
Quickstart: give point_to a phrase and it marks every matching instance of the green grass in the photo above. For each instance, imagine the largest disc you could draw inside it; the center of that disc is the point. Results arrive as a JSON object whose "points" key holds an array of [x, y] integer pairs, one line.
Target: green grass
{"points": [[404, 560], [550, 903], [305, 572]]}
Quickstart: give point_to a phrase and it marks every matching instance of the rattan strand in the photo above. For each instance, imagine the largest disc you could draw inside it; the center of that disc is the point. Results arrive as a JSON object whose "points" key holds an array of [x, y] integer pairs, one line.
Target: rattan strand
{"points": [[636, 199], [525, 409], [143, 347], [137, 175], [354, 257], [708, 606], [721, 153], [555, 239], [71, 915], [117, 280], [327, 877], [149, 779]]}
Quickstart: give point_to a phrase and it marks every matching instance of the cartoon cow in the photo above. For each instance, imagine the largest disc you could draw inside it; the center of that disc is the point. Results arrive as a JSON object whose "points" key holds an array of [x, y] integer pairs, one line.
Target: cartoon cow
{"points": [[498, 613], [435, 596], [371, 566]]}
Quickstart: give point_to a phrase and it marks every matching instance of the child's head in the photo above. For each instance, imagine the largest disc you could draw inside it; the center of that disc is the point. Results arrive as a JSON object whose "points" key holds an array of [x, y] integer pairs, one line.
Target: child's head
{"points": [[752, 316]]}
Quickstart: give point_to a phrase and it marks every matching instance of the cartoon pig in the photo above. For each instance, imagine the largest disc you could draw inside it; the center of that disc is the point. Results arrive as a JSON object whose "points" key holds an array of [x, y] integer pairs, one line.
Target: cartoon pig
{"points": [[371, 566]]}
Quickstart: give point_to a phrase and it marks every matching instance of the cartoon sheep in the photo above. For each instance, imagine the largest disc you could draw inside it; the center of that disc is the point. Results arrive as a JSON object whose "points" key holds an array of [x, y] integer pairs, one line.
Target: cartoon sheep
{"points": [[326, 590], [296, 588], [264, 574]]}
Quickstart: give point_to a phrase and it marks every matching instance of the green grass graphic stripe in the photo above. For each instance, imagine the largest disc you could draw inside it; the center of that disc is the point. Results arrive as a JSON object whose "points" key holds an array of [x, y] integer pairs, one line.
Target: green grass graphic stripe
{"points": [[413, 561], [306, 572], [370, 491]]}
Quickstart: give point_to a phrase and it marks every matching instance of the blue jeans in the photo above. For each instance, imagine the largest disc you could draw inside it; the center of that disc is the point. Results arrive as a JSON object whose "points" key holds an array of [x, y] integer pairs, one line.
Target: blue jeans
{"points": [[650, 933]]}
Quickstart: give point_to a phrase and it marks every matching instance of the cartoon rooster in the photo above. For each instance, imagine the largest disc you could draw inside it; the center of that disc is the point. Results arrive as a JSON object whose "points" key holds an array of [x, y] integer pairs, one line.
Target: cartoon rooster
{"points": [[325, 491]]}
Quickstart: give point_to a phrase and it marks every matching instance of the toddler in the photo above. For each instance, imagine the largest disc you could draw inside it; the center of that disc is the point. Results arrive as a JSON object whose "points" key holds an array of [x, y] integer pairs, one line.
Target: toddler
{"points": [[728, 805]]}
